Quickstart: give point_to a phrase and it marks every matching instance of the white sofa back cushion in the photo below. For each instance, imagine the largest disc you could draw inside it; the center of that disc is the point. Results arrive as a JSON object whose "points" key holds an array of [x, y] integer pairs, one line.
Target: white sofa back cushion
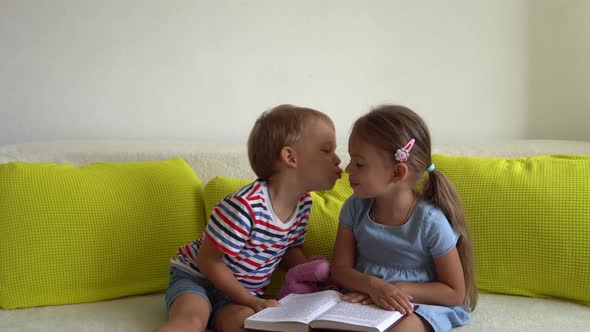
{"points": [[210, 159]]}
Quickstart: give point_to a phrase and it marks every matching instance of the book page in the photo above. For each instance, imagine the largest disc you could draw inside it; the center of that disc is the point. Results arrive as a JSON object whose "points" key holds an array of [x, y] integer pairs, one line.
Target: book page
{"points": [[302, 308], [368, 315]]}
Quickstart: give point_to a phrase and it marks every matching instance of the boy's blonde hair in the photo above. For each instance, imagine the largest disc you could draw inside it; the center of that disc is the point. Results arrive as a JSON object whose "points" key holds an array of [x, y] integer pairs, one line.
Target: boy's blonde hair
{"points": [[275, 129], [390, 127]]}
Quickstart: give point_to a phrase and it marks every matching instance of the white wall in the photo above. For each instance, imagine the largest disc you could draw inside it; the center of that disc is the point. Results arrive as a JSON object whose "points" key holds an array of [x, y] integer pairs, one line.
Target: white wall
{"points": [[192, 69], [560, 69]]}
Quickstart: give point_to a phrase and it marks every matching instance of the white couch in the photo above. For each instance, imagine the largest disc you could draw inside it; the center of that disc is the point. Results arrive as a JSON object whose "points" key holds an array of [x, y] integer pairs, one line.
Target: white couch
{"points": [[208, 159]]}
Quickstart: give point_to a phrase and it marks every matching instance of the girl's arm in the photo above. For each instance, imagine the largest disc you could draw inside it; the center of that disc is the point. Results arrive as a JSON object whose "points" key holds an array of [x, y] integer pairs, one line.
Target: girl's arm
{"points": [[342, 270], [448, 291], [343, 274], [210, 262]]}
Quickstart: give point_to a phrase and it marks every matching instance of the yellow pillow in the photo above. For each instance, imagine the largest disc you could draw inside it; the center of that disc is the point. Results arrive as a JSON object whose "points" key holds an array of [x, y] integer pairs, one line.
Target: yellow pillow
{"points": [[323, 222], [530, 222], [73, 234]]}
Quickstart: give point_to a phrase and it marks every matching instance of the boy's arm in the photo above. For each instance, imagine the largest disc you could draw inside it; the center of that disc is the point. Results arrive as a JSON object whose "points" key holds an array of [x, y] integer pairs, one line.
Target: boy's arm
{"points": [[210, 262], [293, 256]]}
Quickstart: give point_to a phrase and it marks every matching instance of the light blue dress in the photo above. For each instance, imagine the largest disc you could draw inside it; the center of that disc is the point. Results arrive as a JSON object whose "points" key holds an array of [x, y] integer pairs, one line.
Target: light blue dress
{"points": [[406, 252]]}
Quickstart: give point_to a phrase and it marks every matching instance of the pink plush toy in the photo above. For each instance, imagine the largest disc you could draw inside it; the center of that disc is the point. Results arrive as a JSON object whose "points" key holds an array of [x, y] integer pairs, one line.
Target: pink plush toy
{"points": [[309, 277]]}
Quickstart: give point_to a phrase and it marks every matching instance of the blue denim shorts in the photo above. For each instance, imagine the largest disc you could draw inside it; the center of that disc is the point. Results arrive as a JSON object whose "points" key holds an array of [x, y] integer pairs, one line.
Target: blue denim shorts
{"points": [[182, 282]]}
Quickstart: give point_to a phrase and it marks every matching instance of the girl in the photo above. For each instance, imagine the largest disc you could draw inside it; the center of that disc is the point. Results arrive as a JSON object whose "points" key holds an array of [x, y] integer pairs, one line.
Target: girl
{"points": [[396, 245]]}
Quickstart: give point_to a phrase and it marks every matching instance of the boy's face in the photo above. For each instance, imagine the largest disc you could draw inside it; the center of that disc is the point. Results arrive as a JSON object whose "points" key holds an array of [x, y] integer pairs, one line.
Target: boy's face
{"points": [[318, 163]]}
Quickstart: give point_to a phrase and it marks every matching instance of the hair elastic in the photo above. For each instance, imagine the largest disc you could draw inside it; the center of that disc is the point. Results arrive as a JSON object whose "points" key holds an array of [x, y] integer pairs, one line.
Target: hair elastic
{"points": [[430, 168], [402, 154]]}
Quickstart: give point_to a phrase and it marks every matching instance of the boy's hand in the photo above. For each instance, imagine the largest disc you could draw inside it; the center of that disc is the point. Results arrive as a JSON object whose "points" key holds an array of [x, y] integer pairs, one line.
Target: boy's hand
{"points": [[390, 297], [258, 304]]}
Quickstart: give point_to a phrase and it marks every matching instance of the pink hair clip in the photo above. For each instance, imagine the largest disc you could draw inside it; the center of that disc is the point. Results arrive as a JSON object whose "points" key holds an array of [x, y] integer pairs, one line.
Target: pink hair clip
{"points": [[402, 154]]}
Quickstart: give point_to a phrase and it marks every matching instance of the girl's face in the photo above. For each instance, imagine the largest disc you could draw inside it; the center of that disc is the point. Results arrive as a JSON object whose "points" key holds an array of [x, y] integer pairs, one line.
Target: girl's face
{"points": [[370, 170]]}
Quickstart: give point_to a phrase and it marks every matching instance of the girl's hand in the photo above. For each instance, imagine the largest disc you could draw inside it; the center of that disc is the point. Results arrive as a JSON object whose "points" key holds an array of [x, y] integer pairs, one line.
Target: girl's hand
{"points": [[356, 297], [390, 297], [257, 304]]}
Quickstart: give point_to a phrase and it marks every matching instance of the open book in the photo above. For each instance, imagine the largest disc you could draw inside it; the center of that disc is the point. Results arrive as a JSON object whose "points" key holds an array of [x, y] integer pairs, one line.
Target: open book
{"points": [[322, 310]]}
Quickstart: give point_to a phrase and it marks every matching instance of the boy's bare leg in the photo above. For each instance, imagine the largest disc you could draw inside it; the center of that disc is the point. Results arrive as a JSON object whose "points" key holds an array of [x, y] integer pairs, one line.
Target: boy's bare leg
{"points": [[189, 312], [231, 318], [412, 323]]}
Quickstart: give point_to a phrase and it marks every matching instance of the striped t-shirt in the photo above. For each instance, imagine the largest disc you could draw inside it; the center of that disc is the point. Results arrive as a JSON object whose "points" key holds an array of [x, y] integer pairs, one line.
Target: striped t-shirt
{"points": [[244, 226]]}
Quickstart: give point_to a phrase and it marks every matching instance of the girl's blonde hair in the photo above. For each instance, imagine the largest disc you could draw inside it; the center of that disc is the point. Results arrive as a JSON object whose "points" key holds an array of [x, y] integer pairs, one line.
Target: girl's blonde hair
{"points": [[274, 129], [390, 127]]}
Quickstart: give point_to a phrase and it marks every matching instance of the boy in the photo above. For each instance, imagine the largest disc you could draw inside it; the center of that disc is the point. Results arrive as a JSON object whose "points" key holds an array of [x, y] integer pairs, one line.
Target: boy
{"points": [[216, 280]]}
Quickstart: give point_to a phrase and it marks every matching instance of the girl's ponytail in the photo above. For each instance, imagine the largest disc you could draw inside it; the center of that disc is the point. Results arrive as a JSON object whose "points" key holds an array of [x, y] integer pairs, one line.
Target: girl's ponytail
{"points": [[441, 191]]}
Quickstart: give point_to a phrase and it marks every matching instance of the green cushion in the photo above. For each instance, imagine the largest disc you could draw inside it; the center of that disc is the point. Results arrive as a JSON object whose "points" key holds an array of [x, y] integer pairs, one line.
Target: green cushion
{"points": [[73, 234], [530, 222], [323, 222]]}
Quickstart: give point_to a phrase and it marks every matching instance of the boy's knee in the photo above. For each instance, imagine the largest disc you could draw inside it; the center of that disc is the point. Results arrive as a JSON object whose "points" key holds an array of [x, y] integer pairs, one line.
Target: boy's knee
{"points": [[184, 323], [231, 318], [197, 324]]}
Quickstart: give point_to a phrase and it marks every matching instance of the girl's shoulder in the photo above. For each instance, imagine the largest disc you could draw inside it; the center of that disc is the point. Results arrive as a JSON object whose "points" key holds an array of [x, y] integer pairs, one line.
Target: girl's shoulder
{"points": [[353, 210], [437, 233], [355, 203], [433, 220], [430, 215]]}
